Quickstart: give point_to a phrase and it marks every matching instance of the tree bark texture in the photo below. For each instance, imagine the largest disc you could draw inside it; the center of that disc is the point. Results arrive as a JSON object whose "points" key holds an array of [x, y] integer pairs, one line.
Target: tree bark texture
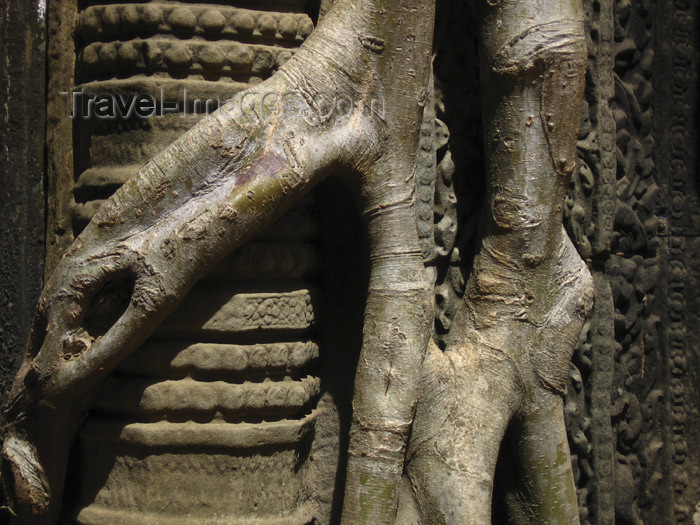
{"points": [[427, 425]]}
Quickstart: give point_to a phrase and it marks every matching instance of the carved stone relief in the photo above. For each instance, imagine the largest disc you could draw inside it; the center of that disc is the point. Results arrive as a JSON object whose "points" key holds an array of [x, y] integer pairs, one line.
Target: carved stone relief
{"points": [[257, 353], [233, 411]]}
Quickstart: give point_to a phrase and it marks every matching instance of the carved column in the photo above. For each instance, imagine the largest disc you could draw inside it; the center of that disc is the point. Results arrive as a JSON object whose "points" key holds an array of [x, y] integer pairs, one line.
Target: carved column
{"points": [[216, 417]]}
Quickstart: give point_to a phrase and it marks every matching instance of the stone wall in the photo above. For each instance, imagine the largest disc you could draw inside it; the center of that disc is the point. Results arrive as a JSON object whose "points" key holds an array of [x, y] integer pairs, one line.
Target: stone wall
{"points": [[22, 161], [273, 332]]}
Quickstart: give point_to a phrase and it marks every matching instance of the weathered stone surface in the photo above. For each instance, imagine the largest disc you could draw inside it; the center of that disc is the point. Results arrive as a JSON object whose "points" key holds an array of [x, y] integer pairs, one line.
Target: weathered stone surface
{"points": [[238, 348], [22, 176], [248, 345], [215, 360], [242, 312]]}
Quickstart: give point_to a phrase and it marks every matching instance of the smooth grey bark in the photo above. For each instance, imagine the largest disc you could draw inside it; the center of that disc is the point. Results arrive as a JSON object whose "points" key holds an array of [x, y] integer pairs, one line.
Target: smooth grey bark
{"points": [[240, 168], [506, 363]]}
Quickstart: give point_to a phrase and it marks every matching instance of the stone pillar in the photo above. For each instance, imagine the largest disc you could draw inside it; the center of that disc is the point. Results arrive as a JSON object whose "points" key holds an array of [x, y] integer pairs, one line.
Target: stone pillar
{"points": [[230, 412]]}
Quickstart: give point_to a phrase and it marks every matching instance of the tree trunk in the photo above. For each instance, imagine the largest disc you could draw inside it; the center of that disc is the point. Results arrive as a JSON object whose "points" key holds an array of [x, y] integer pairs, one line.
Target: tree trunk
{"points": [[235, 172]]}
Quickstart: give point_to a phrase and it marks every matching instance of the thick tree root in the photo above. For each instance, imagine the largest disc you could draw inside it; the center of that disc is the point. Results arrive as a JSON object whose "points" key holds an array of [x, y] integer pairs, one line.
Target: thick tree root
{"points": [[237, 170], [226, 179], [476, 392], [507, 360]]}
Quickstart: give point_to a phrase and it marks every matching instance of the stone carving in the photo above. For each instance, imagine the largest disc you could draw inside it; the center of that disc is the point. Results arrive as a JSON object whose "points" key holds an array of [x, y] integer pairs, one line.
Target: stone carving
{"points": [[460, 165], [590, 213], [191, 411], [644, 387], [251, 367], [675, 165]]}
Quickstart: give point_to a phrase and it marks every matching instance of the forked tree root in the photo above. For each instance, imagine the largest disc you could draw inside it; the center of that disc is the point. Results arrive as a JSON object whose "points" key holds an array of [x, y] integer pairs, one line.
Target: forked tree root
{"points": [[242, 167]]}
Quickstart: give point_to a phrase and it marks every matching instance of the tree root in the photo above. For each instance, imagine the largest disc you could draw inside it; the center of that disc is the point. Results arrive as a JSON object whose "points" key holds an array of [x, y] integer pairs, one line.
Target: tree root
{"points": [[237, 170], [223, 181], [476, 393], [507, 358]]}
